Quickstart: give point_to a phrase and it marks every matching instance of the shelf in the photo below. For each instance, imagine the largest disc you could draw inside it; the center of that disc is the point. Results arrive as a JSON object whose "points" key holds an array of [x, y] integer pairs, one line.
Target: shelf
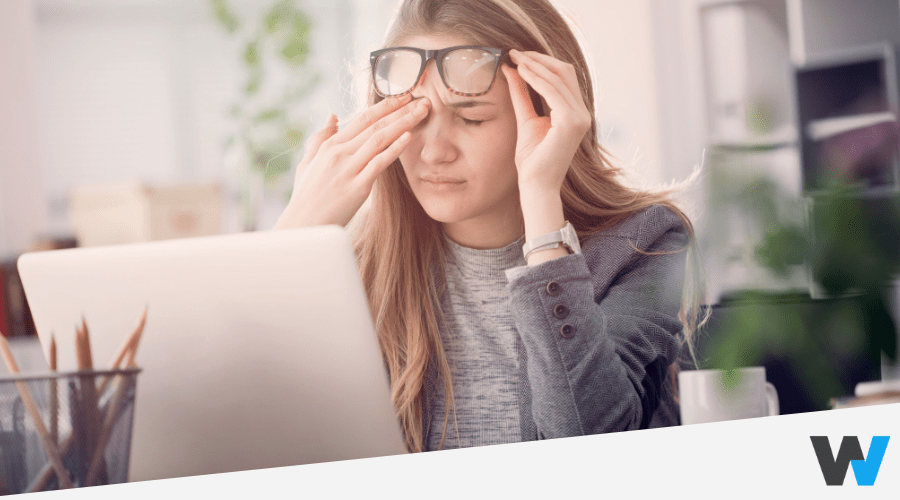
{"points": [[863, 192], [842, 92], [822, 129], [782, 137]]}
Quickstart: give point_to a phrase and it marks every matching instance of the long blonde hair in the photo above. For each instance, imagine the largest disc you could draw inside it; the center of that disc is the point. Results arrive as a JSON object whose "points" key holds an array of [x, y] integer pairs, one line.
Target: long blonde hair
{"points": [[400, 248]]}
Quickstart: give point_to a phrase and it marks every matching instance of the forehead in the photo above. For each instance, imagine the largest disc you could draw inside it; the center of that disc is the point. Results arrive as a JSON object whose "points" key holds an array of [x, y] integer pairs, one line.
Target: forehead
{"points": [[434, 41]]}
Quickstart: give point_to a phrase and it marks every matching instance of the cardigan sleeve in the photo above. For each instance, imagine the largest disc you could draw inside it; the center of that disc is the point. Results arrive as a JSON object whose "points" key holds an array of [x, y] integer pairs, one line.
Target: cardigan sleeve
{"points": [[600, 328]]}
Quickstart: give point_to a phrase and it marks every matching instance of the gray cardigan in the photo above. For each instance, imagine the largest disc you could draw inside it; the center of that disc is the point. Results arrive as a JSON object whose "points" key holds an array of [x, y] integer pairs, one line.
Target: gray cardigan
{"points": [[601, 366]]}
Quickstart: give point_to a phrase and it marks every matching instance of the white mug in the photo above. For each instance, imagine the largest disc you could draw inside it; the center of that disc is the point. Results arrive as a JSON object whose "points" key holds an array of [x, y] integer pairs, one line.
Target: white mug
{"points": [[704, 396]]}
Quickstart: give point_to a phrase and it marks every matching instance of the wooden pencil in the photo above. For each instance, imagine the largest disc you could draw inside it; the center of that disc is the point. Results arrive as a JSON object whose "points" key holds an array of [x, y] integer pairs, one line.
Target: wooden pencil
{"points": [[90, 400], [129, 345], [129, 348], [112, 414], [49, 446], [54, 397], [43, 477]]}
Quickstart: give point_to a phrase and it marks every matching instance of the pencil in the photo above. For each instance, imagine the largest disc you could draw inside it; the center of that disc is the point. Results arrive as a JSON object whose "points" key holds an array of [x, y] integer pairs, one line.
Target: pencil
{"points": [[83, 347], [113, 410], [49, 446], [129, 348], [54, 397], [112, 413], [130, 344], [43, 477], [88, 386]]}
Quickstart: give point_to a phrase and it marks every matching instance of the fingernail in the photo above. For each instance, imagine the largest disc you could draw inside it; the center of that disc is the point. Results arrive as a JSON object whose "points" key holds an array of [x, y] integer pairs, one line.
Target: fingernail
{"points": [[405, 98]]}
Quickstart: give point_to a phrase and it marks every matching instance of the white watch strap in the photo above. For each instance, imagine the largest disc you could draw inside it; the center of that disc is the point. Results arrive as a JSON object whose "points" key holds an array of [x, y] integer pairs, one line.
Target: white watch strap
{"points": [[565, 236], [544, 239], [542, 242], [548, 246]]}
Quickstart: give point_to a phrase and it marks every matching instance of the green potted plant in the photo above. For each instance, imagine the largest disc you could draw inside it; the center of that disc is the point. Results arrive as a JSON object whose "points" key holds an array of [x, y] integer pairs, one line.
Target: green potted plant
{"points": [[849, 244], [267, 133]]}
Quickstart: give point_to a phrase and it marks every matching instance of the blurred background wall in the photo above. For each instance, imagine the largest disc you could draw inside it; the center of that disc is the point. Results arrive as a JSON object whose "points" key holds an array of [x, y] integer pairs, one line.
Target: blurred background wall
{"points": [[119, 116], [136, 95], [107, 91]]}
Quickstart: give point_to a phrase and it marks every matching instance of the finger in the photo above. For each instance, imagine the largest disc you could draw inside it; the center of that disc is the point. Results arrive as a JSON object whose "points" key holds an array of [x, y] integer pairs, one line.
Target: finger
{"points": [[558, 67], [371, 115], [406, 114], [566, 71], [378, 141], [382, 160], [554, 80], [548, 91], [315, 142], [521, 99]]}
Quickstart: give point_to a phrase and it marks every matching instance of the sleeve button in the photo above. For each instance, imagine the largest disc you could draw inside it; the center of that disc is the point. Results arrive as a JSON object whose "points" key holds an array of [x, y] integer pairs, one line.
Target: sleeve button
{"points": [[567, 331], [553, 288], [561, 311]]}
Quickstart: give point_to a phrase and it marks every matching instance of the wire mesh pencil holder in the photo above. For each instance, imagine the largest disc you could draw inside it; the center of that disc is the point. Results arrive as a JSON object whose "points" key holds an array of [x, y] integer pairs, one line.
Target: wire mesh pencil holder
{"points": [[66, 429]]}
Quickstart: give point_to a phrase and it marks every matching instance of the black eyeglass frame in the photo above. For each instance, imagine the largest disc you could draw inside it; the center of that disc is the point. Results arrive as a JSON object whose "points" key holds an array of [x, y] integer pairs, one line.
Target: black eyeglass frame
{"points": [[438, 55]]}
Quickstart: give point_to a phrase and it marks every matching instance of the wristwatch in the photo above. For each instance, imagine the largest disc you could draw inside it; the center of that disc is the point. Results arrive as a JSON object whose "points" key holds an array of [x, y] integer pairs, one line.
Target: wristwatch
{"points": [[566, 236]]}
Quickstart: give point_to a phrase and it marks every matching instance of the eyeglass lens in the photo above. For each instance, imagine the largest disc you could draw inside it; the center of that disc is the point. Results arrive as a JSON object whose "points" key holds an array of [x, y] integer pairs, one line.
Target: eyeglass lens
{"points": [[469, 71], [466, 71], [397, 71]]}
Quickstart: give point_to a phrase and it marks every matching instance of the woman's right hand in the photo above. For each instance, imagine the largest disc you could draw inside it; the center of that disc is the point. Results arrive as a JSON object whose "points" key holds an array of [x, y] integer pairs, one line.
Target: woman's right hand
{"points": [[337, 173]]}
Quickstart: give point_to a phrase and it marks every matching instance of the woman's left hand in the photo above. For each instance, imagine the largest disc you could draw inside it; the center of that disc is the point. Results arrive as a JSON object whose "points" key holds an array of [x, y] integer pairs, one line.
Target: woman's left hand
{"points": [[546, 144]]}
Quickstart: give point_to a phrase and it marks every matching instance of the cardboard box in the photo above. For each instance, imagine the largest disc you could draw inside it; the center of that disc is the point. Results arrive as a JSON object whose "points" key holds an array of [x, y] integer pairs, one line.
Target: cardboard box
{"points": [[130, 213]]}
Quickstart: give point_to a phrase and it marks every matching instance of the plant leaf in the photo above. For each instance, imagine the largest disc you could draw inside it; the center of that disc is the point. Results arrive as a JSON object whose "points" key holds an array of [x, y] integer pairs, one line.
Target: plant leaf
{"points": [[294, 136], [223, 14], [274, 19], [270, 115], [296, 51], [251, 53], [254, 83]]}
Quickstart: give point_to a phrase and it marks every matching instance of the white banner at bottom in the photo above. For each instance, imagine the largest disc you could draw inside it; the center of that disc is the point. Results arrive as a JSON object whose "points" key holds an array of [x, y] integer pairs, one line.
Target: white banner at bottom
{"points": [[858, 450]]}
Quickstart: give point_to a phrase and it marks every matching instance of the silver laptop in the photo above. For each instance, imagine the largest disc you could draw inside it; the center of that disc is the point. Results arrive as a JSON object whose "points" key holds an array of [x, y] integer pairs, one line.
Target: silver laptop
{"points": [[258, 351]]}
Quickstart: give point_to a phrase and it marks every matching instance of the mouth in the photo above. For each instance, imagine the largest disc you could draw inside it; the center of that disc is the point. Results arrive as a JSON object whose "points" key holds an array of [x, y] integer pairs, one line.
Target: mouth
{"points": [[441, 180]]}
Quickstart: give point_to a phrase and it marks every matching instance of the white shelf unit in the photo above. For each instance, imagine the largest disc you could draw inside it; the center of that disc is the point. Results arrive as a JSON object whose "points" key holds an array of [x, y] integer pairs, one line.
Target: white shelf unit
{"points": [[847, 98], [811, 38], [748, 74]]}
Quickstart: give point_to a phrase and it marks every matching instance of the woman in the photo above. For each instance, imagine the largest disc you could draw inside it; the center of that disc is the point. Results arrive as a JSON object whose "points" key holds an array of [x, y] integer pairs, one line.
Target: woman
{"points": [[496, 322]]}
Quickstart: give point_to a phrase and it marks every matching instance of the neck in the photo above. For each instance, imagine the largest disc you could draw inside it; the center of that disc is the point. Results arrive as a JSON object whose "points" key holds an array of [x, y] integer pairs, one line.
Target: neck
{"points": [[495, 230]]}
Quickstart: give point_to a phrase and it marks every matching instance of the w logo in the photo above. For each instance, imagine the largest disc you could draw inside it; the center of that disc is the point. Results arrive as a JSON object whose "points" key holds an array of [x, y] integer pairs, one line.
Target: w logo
{"points": [[864, 468]]}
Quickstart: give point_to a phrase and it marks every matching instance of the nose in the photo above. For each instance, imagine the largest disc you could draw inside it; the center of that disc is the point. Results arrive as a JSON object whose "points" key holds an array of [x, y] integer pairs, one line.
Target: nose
{"points": [[437, 147], [433, 132]]}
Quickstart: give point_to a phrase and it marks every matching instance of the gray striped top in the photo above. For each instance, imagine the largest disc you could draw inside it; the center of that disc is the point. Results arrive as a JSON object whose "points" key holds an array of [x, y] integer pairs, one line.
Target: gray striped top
{"points": [[481, 344], [594, 336]]}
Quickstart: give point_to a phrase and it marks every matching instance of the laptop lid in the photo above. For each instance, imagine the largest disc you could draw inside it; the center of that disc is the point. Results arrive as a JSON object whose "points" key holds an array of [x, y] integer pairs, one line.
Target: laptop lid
{"points": [[258, 350]]}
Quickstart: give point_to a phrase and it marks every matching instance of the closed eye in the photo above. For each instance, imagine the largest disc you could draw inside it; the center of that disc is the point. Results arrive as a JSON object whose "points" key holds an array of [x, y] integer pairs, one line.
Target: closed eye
{"points": [[472, 122]]}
